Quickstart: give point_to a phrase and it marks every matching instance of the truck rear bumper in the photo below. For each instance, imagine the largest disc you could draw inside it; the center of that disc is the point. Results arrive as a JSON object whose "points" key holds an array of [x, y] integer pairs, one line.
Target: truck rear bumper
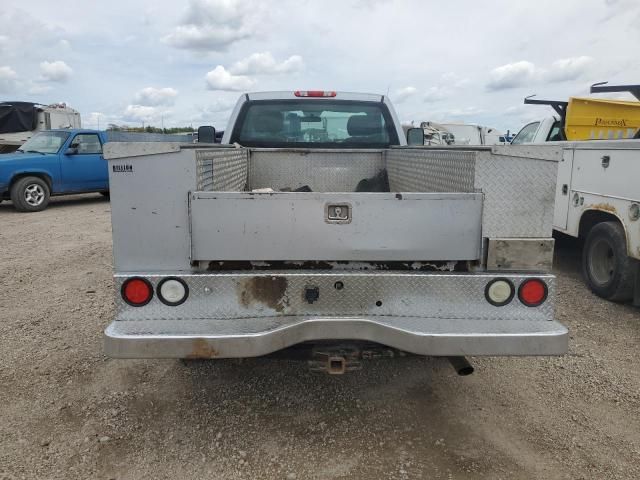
{"points": [[254, 337], [254, 313]]}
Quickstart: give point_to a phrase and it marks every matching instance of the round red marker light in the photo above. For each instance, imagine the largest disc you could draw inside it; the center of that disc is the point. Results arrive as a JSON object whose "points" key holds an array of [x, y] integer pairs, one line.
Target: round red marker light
{"points": [[137, 291], [533, 292]]}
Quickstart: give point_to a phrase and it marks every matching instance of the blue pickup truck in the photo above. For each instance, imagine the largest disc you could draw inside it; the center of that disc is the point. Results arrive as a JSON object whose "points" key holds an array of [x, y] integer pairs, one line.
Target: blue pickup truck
{"points": [[54, 162]]}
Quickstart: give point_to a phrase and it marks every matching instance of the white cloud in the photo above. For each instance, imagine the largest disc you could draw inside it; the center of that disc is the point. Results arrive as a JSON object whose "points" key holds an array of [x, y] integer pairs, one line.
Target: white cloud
{"points": [[433, 94], [94, 120], [453, 80], [445, 87], [217, 106], [151, 96], [22, 35], [57, 71], [569, 68], [210, 25], [512, 75], [140, 113], [8, 73], [8, 79], [39, 88], [264, 63], [220, 79], [465, 112], [403, 93]]}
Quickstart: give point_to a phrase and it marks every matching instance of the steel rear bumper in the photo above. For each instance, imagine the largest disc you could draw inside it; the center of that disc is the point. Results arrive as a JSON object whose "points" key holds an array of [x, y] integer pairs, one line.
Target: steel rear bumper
{"points": [[260, 336]]}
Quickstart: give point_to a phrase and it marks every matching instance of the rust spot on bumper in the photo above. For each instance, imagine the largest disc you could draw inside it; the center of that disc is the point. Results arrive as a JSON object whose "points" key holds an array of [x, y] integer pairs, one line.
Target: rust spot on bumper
{"points": [[269, 291], [201, 349]]}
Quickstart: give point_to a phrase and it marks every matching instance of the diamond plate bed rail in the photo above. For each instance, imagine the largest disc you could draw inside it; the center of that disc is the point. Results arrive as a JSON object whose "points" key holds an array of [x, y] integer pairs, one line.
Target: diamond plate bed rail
{"points": [[222, 170], [430, 170]]}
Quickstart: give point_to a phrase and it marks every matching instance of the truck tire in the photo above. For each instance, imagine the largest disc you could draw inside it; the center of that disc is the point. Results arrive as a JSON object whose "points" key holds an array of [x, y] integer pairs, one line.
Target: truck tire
{"points": [[605, 264], [30, 194]]}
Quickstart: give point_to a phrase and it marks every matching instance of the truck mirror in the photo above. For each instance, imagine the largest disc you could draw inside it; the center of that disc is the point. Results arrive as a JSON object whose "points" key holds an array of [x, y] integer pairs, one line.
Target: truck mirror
{"points": [[415, 136], [206, 134]]}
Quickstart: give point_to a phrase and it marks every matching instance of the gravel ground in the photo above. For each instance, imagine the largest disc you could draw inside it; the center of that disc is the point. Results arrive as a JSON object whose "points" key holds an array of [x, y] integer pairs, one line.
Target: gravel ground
{"points": [[68, 412]]}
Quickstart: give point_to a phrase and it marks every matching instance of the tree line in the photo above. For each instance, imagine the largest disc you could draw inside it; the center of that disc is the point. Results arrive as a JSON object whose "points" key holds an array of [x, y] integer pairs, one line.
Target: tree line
{"points": [[149, 129]]}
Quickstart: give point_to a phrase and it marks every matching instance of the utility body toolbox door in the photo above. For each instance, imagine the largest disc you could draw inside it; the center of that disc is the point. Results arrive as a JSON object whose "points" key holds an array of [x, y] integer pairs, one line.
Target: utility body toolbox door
{"points": [[563, 190], [335, 226]]}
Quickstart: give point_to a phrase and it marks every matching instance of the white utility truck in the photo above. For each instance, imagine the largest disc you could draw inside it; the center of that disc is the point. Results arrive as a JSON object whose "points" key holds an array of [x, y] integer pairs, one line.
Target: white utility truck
{"points": [[597, 192], [19, 121], [314, 227]]}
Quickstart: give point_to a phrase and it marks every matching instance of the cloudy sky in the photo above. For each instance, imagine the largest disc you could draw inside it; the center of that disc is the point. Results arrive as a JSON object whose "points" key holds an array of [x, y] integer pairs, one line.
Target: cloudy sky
{"points": [[182, 62]]}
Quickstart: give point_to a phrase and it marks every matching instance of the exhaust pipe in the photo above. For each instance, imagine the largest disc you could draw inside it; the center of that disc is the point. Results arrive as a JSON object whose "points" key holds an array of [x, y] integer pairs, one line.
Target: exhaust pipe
{"points": [[461, 365]]}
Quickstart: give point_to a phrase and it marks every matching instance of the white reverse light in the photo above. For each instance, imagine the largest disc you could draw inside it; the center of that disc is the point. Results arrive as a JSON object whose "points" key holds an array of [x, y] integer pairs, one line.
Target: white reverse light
{"points": [[499, 292], [172, 291]]}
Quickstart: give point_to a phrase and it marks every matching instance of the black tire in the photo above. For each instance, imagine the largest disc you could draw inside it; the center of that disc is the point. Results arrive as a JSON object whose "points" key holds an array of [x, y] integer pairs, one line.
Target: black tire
{"points": [[106, 194], [30, 194], [605, 264]]}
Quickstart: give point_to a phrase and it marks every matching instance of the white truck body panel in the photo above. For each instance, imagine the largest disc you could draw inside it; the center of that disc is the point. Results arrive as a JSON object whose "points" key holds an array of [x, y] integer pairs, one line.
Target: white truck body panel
{"points": [[584, 184], [589, 185]]}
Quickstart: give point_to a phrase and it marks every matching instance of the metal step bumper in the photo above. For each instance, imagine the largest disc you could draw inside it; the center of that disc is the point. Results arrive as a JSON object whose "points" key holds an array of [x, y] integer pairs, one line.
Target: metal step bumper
{"points": [[251, 337], [254, 313]]}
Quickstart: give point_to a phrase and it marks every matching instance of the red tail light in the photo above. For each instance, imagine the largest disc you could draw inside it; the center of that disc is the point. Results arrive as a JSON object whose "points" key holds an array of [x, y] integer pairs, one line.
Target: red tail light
{"points": [[314, 93], [533, 292], [137, 291]]}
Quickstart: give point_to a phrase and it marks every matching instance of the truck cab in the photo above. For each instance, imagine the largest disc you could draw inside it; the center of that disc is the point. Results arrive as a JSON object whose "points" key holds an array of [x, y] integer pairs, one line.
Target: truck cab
{"points": [[53, 162], [549, 129], [334, 120]]}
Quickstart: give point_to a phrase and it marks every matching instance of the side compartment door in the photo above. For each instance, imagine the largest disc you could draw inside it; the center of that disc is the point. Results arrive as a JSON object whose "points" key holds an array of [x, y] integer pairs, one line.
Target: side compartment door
{"points": [[82, 165], [563, 190]]}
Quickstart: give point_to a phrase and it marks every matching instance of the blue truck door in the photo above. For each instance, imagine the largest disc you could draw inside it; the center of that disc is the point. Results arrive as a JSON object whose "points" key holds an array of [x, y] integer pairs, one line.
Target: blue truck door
{"points": [[82, 165]]}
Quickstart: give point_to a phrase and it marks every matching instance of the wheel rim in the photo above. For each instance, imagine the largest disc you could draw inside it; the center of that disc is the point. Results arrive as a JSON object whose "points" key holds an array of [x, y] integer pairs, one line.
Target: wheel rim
{"points": [[602, 262], [34, 194]]}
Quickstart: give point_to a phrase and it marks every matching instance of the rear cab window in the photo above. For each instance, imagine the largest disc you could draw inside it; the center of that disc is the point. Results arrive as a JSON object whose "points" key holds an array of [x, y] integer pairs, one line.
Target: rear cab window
{"points": [[555, 135], [527, 134], [314, 123]]}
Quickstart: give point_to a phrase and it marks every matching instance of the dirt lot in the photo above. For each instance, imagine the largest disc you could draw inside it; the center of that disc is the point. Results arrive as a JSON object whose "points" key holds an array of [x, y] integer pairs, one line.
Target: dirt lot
{"points": [[68, 412]]}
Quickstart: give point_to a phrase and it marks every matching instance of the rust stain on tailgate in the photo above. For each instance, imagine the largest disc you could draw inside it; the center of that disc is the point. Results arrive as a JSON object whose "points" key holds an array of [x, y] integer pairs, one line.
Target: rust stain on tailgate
{"points": [[201, 349], [269, 291]]}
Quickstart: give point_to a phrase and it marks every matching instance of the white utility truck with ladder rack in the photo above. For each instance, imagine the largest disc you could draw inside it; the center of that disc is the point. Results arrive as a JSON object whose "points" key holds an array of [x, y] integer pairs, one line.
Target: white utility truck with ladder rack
{"points": [[598, 191], [314, 227]]}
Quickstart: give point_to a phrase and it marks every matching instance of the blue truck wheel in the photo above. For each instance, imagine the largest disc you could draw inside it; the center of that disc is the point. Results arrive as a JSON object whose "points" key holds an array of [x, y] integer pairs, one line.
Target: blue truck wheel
{"points": [[30, 194]]}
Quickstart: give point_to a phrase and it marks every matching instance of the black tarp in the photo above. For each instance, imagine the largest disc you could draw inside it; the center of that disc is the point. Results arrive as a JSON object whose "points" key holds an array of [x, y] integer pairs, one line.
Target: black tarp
{"points": [[18, 117]]}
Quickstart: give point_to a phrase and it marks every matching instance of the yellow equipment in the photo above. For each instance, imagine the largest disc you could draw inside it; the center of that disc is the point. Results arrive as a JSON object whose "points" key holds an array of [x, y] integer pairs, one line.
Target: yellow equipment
{"points": [[598, 118]]}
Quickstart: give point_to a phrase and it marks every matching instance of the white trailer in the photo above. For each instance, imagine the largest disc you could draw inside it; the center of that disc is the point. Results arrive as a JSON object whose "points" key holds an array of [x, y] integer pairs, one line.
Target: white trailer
{"points": [[19, 121]]}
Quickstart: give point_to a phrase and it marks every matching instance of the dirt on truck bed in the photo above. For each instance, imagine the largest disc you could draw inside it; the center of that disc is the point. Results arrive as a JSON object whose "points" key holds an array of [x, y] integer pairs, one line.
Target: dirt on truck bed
{"points": [[68, 412]]}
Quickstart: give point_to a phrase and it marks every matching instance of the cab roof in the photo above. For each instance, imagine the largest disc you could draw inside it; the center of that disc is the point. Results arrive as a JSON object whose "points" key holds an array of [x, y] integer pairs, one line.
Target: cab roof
{"points": [[291, 95]]}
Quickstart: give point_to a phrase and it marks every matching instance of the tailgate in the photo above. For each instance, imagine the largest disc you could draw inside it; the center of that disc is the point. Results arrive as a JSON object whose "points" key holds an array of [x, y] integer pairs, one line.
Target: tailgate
{"points": [[335, 226]]}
